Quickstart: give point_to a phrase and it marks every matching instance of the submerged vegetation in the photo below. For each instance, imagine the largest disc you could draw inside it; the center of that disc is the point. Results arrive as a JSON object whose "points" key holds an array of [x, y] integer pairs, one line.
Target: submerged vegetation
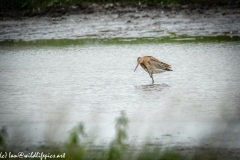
{"points": [[31, 4], [79, 147]]}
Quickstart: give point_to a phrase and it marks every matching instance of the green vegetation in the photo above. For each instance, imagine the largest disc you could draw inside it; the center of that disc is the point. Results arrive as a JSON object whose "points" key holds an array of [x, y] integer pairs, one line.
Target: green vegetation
{"points": [[34, 4], [120, 41], [79, 147]]}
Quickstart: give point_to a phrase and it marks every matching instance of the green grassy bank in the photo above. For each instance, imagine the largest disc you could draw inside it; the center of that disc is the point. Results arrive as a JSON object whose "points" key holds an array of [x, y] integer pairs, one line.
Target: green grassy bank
{"points": [[120, 41]]}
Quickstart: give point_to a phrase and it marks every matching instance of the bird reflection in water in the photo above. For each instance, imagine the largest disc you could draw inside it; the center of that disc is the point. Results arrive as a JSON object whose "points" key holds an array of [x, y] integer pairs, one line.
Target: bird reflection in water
{"points": [[153, 87]]}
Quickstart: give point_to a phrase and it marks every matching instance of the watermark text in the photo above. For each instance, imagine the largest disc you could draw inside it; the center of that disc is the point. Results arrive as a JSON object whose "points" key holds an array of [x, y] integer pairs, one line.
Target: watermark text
{"points": [[40, 155]]}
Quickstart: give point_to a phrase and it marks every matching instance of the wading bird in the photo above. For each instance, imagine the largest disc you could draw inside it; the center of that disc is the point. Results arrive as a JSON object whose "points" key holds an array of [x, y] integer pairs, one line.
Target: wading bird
{"points": [[152, 65]]}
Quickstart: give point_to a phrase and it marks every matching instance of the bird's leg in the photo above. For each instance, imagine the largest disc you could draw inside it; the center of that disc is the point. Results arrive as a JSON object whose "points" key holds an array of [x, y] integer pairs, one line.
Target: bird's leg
{"points": [[152, 79], [151, 75]]}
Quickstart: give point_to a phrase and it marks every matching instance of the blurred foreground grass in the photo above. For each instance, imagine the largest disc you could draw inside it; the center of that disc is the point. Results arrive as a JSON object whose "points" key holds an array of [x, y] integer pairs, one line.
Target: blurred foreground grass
{"points": [[77, 148]]}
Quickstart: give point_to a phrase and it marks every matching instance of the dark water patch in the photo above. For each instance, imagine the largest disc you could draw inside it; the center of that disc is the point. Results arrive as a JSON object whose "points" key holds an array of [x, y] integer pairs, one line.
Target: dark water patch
{"points": [[121, 41]]}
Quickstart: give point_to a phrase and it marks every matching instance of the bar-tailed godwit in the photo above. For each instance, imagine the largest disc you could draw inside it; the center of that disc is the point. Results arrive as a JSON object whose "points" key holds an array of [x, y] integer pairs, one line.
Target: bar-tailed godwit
{"points": [[152, 65]]}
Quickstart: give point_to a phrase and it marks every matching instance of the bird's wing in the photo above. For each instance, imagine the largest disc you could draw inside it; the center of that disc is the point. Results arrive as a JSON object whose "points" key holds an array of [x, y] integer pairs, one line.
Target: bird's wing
{"points": [[158, 64]]}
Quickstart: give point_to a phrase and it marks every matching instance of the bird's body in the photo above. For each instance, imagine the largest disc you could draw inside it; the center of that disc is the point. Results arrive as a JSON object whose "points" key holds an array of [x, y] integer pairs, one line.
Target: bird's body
{"points": [[152, 65]]}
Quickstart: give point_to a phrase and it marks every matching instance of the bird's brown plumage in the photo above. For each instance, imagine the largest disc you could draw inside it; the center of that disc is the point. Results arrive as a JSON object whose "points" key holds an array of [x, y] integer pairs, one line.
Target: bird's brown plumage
{"points": [[152, 65]]}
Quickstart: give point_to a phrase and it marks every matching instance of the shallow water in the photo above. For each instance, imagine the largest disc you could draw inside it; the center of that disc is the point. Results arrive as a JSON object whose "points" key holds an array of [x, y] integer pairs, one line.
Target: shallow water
{"points": [[50, 89]]}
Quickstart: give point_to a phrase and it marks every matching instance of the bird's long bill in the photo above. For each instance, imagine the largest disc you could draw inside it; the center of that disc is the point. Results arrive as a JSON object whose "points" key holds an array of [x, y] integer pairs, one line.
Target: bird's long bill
{"points": [[136, 67]]}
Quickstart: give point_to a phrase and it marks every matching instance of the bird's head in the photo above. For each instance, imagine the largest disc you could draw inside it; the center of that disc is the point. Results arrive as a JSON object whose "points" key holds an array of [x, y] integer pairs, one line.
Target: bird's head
{"points": [[139, 60]]}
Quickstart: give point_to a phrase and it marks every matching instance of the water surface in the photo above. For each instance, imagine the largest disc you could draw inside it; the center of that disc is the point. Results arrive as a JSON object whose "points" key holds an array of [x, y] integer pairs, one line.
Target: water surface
{"points": [[50, 89]]}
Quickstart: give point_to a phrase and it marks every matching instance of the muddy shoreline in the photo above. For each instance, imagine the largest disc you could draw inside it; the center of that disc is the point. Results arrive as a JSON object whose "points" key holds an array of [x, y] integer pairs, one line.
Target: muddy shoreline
{"points": [[121, 21], [115, 8], [112, 8]]}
